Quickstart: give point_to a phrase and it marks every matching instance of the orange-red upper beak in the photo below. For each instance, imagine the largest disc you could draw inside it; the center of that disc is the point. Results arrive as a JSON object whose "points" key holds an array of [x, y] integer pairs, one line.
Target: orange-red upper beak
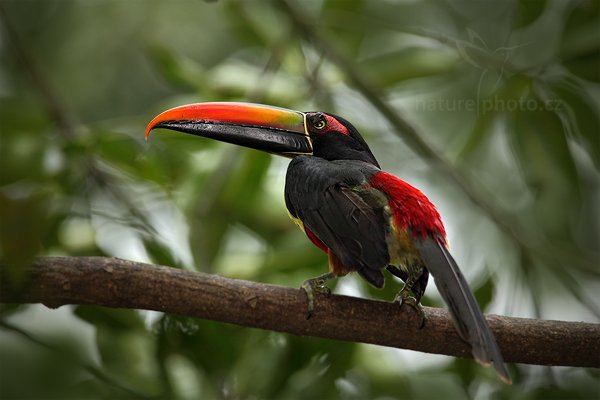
{"points": [[261, 127]]}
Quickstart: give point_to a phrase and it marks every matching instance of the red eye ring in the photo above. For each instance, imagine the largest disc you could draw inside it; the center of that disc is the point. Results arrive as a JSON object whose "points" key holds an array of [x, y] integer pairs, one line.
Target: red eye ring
{"points": [[320, 123]]}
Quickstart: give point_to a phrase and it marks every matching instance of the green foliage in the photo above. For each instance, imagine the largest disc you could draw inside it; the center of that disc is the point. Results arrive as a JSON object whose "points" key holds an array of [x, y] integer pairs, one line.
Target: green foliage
{"points": [[507, 91]]}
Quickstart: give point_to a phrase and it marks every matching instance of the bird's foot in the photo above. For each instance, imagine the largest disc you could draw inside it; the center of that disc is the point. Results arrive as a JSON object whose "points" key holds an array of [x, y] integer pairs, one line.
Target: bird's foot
{"points": [[406, 297], [316, 285]]}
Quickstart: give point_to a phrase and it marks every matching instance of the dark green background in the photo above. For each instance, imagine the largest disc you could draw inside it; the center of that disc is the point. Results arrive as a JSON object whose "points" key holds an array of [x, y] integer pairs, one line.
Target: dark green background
{"points": [[507, 92]]}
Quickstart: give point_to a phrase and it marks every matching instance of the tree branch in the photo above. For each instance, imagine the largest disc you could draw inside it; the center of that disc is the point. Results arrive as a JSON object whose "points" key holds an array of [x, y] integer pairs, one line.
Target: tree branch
{"points": [[111, 282]]}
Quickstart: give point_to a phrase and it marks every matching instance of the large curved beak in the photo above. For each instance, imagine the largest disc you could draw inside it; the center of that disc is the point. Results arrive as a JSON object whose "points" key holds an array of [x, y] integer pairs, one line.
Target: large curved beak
{"points": [[271, 129]]}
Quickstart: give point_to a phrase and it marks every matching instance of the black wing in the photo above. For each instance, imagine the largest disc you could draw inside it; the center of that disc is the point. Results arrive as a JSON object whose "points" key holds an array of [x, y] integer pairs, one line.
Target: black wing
{"points": [[465, 311], [329, 199]]}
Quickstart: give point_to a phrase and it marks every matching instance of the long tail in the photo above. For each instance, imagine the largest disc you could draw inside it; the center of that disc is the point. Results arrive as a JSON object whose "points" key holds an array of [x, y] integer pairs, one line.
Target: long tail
{"points": [[466, 314]]}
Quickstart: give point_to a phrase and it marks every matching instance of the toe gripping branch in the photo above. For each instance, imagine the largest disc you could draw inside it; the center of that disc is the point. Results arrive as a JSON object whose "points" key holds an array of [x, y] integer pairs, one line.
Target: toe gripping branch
{"points": [[410, 293], [405, 296], [316, 285]]}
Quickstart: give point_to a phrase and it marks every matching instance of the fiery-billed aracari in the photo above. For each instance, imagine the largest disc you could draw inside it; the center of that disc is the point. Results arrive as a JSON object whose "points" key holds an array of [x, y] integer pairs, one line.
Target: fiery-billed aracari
{"points": [[365, 220]]}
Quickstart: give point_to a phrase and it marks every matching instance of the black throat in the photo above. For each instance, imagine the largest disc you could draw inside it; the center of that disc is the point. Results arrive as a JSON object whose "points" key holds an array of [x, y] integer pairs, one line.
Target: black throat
{"points": [[343, 147]]}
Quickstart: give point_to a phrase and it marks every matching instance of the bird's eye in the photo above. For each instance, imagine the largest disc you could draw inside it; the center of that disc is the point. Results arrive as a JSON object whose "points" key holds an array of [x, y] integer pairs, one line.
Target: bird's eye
{"points": [[321, 124]]}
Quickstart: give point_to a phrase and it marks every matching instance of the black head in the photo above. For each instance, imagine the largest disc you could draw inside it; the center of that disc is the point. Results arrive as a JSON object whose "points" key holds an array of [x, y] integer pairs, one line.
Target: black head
{"points": [[334, 138]]}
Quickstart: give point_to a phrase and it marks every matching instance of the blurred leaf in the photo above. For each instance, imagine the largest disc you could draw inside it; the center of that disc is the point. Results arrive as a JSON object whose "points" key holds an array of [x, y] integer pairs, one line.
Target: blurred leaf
{"points": [[245, 184], [408, 63], [586, 66], [24, 226], [211, 346], [114, 319], [36, 373], [580, 47], [125, 348], [485, 293], [480, 132], [339, 18], [21, 147], [312, 365], [161, 254], [579, 113], [258, 24], [548, 167], [529, 11], [236, 78], [127, 156], [249, 25], [468, 370], [179, 71], [579, 384], [528, 50]]}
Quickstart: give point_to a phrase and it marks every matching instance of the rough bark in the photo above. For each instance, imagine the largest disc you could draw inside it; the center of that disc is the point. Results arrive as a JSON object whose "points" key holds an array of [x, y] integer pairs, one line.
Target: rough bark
{"points": [[111, 282]]}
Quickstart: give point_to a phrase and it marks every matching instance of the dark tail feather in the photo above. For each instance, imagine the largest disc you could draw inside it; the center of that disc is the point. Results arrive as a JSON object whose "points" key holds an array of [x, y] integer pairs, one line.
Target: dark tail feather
{"points": [[466, 314]]}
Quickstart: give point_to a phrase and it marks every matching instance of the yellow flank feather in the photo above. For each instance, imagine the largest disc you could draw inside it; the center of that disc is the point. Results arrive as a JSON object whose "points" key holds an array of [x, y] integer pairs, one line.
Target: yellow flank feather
{"points": [[401, 248], [297, 221]]}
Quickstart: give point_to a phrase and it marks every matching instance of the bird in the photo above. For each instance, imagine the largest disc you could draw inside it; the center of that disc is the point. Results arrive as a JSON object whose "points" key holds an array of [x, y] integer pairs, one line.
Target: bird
{"points": [[364, 219]]}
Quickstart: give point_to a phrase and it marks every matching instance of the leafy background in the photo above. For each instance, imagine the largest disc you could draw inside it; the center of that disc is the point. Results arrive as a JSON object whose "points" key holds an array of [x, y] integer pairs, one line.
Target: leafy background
{"points": [[505, 93]]}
